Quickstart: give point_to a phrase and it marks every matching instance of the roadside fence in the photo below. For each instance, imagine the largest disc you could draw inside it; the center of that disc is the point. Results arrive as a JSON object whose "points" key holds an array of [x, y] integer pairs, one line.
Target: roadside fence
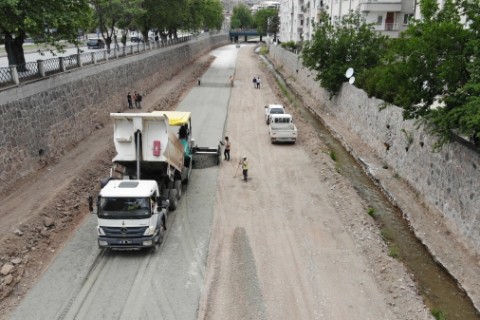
{"points": [[16, 74]]}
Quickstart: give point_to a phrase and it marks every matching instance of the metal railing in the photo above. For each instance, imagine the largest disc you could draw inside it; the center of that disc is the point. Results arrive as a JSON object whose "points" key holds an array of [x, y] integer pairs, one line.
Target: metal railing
{"points": [[16, 74]]}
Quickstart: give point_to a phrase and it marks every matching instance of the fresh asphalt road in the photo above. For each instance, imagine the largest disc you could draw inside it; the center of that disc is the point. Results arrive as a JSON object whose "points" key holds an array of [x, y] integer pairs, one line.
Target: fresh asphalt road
{"points": [[85, 282]]}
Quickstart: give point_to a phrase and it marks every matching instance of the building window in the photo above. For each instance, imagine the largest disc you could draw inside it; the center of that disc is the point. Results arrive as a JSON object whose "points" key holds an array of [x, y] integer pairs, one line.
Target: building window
{"points": [[407, 18], [379, 20]]}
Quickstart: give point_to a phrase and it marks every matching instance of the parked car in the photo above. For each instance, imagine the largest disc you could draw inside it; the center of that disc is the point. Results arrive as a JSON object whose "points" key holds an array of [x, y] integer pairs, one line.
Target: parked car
{"points": [[136, 39], [93, 43], [273, 109]]}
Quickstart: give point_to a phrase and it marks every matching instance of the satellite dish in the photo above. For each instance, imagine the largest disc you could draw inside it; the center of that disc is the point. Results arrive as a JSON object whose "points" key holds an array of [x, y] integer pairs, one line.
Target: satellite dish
{"points": [[349, 72], [351, 80]]}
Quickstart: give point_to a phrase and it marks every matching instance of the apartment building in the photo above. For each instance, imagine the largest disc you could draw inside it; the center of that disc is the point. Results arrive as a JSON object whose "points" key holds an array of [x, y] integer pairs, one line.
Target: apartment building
{"points": [[297, 17], [266, 5]]}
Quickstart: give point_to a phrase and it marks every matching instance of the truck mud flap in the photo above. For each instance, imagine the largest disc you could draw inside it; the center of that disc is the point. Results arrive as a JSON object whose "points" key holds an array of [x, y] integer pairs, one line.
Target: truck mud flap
{"points": [[204, 157]]}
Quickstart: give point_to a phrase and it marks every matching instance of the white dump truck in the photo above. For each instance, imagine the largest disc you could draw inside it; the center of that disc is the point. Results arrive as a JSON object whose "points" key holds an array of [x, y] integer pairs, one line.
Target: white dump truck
{"points": [[154, 160], [282, 129]]}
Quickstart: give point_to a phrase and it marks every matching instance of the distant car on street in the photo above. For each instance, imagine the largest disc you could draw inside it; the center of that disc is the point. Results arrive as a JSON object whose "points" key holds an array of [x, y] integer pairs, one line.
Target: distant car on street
{"points": [[94, 43], [136, 39]]}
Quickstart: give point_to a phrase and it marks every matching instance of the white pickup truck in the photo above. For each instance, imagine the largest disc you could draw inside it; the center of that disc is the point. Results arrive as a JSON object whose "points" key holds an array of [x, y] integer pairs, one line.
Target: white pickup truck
{"points": [[273, 109], [282, 129]]}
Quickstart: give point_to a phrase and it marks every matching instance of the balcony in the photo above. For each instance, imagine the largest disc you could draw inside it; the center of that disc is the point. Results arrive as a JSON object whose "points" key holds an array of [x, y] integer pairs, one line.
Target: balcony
{"points": [[321, 5], [392, 30], [380, 5]]}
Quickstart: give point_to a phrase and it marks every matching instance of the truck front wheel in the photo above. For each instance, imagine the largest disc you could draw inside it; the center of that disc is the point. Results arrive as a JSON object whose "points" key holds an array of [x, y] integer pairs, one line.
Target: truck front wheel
{"points": [[172, 197]]}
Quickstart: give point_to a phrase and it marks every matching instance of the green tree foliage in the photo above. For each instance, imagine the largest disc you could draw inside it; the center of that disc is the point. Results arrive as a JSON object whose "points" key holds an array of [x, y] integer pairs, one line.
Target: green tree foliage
{"points": [[241, 17], [435, 62], [109, 14], [164, 17], [274, 26], [46, 21], [264, 21], [171, 16], [425, 62], [213, 14], [335, 48], [461, 112]]}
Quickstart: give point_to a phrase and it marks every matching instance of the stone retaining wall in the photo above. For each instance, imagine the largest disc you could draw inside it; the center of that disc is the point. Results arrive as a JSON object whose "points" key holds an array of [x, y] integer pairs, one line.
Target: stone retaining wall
{"points": [[41, 120], [448, 180]]}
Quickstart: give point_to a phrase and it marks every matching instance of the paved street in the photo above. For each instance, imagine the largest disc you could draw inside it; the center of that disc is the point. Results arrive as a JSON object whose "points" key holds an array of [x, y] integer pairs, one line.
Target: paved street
{"points": [[44, 55]]}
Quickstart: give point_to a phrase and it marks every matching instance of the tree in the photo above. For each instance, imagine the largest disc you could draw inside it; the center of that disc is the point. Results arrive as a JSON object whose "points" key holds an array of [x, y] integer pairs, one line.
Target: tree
{"points": [[264, 20], [109, 13], [241, 17], [274, 26], [126, 19], [432, 71], [168, 16], [334, 48], [461, 112], [213, 14], [146, 14], [427, 61], [46, 21]]}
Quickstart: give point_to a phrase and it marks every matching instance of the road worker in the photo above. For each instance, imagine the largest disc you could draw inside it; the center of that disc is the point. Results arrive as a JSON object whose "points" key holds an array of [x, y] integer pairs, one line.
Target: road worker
{"points": [[244, 163]]}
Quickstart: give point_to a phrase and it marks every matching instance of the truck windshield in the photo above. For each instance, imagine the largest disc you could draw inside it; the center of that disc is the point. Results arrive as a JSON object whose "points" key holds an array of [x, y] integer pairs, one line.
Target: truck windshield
{"points": [[124, 208]]}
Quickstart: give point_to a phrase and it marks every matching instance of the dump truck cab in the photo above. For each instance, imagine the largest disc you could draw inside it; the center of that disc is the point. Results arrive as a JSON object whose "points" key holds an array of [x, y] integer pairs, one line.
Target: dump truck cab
{"points": [[131, 214]]}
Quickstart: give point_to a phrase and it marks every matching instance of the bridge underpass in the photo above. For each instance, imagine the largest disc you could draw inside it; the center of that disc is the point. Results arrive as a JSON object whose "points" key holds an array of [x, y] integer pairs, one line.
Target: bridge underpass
{"points": [[235, 34]]}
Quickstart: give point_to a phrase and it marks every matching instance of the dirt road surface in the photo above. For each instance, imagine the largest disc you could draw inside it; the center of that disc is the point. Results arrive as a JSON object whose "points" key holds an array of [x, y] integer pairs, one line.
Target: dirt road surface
{"points": [[293, 242]]}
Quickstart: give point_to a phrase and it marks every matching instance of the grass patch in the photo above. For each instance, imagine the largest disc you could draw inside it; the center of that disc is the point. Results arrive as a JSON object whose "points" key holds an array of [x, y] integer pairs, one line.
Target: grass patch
{"points": [[333, 155], [263, 50], [438, 314], [386, 235], [372, 213], [284, 90], [393, 251]]}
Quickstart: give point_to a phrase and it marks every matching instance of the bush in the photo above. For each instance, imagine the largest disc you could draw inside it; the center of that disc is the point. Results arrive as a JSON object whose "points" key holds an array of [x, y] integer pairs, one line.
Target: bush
{"points": [[289, 45]]}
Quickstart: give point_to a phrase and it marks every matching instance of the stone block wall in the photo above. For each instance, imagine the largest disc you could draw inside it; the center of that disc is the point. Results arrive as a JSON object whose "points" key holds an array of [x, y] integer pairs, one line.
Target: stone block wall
{"points": [[42, 120], [448, 180]]}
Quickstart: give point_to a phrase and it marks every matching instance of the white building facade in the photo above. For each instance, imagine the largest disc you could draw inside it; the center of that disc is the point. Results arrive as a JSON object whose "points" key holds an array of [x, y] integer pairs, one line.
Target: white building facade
{"points": [[297, 17]]}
